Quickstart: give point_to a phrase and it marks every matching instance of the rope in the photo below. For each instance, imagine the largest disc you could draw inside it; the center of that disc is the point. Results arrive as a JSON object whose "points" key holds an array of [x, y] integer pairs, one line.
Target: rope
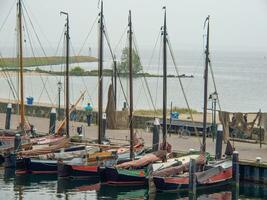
{"points": [[113, 58], [9, 12], [39, 42], [182, 88], [86, 88], [158, 70], [87, 36], [145, 79]]}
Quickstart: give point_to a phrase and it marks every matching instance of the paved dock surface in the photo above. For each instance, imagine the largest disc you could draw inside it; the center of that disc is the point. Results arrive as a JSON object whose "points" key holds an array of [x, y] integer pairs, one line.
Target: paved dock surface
{"points": [[247, 151]]}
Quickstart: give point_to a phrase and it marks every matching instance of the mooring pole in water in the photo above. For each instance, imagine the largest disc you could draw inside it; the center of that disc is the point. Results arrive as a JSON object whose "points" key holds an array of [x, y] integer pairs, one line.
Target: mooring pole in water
{"points": [[156, 128], [192, 179], [10, 158], [17, 142], [104, 124], [235, 169], [8, 116], [257, 176], [52, 121], [218, 147]]}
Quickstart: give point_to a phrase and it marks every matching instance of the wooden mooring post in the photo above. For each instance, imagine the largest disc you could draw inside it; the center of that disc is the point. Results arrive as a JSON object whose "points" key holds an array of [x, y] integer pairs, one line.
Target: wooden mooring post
{"points": [[235, 168], [10, 158], [8, 116], [52, 121], [235, 175], [155, 141], [218, 147], [192, 179]]}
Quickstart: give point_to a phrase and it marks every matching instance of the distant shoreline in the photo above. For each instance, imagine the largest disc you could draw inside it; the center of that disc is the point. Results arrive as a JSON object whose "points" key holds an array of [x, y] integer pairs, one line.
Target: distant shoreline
{"points": [[106, 72]]}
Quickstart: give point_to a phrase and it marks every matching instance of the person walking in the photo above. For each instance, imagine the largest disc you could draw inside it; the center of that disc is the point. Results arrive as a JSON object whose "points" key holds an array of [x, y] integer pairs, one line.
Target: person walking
{"points": [[73, 114], [89, 111]]}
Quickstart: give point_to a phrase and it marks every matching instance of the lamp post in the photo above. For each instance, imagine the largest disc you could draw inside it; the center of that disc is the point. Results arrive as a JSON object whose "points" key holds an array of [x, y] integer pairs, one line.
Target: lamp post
{"points": [[59, 87], [214, 98]]}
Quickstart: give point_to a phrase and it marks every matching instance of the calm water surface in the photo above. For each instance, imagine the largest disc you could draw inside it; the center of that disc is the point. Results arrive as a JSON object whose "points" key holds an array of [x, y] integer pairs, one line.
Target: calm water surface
{"points": [[48, 187], [240, 78]]}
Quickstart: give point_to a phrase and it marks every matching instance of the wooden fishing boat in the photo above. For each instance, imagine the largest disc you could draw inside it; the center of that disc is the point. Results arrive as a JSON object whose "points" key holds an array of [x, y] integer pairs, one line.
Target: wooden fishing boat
{"points": [[219, 173], [208, 175], [47, 163], [94, 166]]}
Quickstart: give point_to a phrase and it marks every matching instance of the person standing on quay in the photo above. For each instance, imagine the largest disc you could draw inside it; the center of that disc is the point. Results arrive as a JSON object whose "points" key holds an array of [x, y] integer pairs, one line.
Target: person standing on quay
{"points": [[89, 111]]}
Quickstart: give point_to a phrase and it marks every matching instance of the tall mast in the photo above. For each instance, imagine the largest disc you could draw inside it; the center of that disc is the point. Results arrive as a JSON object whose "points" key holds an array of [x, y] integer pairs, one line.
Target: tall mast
{"points": [[130, 63], [115, 82], [100, 77], [22, 117], [67, 75], [206, 87], [164, 128]]}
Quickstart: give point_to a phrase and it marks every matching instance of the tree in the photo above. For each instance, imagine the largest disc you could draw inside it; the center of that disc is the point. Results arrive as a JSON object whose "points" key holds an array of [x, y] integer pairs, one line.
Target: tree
{"points": [[123, 67], [77, 71]]}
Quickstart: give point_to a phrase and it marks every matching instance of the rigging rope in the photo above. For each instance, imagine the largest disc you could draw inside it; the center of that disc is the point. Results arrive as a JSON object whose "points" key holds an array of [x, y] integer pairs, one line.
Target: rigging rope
{"points": [[145, 79], [86, 88], [87, 36], [44, 82], [6, 18], [113, 58], [159, 59], [181, 85]]}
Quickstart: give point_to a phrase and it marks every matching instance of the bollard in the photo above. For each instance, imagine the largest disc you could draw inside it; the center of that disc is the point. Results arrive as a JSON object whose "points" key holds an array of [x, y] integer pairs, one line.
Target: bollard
{"points": [[256, 176], [192, 179], [52, 123], [8, 116], [17, 142], [235, 169], [10, 160], [124, 106], [104, 124], [156, 128], [219, 140]]}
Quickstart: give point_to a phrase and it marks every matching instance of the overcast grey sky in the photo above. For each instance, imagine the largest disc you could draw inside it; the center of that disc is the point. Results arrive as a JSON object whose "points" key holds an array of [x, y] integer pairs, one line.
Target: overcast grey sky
{"points": [[235, 24]]}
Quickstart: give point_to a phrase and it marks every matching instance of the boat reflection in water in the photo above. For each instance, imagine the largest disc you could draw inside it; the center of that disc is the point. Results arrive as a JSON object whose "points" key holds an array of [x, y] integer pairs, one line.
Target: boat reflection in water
{"points": [[31, 186], [72, 185], [126, 192]]}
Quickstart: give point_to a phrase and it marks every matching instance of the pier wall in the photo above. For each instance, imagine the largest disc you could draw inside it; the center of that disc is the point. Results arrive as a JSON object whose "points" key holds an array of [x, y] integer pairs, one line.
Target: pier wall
{"points": [[44, 111], [253, 172]]}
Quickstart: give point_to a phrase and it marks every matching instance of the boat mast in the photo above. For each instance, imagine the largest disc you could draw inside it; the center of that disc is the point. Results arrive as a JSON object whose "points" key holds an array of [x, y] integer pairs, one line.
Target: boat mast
{"points": [[67, 75], [130, 63], [22, 109], [206, 87], [115, 82], [164, 125], [100, 77]]}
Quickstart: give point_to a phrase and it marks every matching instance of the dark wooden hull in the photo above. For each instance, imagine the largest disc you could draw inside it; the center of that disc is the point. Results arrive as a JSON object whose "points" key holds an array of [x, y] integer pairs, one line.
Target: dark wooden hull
{"points": [[174, 184], [30, 166], [78, 171], [115, 176]]}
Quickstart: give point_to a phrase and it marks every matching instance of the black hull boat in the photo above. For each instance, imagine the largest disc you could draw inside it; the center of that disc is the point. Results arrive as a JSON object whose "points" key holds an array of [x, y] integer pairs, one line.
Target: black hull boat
{"points": [[33, 166], [75, 171], [114, 176]]}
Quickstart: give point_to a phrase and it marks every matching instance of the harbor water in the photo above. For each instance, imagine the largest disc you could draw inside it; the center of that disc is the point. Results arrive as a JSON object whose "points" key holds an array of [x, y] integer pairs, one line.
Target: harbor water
{"points": [[240, 79], [31, 187]]}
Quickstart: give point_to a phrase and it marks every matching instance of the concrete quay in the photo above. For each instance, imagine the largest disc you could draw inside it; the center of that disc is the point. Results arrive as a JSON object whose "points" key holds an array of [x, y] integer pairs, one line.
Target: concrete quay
{"points": [[247, 151]]}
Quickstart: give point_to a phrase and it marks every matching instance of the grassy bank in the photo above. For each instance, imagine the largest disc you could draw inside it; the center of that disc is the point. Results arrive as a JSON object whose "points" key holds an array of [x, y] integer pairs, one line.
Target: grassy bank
{"points": [[42, 61], [158, 112], [77, 71]]}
